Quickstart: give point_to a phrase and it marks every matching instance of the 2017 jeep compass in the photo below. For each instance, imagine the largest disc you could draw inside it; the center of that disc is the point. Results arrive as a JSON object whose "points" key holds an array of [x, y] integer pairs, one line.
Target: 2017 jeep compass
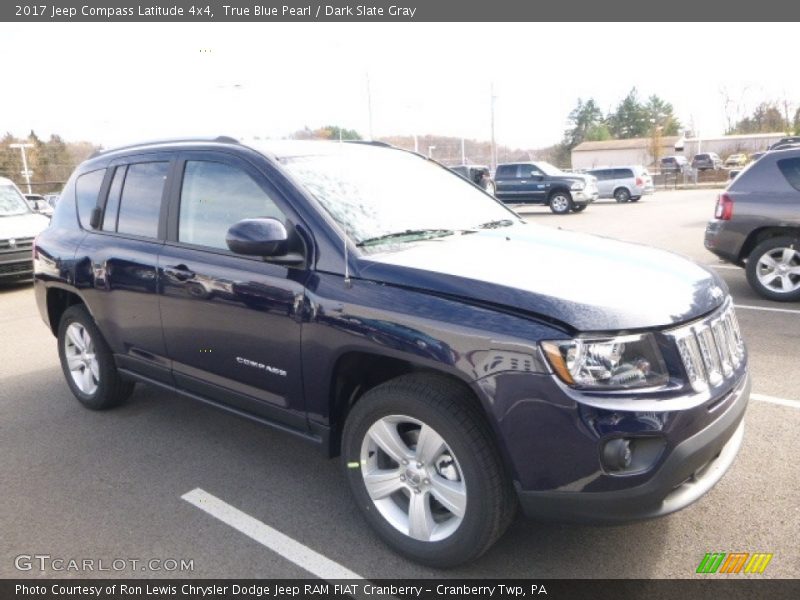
{"points": [[461, 362]]}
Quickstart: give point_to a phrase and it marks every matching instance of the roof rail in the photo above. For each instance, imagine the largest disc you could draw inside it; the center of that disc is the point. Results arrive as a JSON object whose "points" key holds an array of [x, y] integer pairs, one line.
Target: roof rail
{"points": [[221, 139]]}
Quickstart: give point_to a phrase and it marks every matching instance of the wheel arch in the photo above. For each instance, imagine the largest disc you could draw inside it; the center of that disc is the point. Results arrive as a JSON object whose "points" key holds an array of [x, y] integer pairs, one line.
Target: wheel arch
{"points": [[764, 233], [58, 301]]}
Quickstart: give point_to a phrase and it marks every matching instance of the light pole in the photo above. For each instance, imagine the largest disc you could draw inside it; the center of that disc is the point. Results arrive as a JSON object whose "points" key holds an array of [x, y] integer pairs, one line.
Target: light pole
{"points": [[25, 172], [494, 147]]}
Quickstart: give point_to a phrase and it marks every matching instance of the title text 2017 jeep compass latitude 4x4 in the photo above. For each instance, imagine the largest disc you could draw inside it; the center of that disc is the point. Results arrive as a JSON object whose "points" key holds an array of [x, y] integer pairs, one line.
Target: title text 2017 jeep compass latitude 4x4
{"points": [[390, 320]]}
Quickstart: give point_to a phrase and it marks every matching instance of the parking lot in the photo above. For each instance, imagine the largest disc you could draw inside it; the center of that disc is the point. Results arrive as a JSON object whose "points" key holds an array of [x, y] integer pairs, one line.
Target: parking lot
{"points": [[83, 485]]}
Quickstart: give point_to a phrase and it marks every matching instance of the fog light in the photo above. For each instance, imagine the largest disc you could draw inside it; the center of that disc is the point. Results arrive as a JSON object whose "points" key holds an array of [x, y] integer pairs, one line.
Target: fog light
{"points": [[617, 454]]}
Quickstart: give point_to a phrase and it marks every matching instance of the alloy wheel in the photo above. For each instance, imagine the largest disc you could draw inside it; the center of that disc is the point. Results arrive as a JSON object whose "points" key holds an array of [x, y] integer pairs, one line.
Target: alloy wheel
{"points": [[778, 270], [413, 478], [81, 358]]}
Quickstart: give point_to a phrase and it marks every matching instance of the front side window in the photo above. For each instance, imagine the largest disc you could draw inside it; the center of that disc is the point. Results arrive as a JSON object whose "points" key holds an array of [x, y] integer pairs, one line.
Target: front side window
{"points": [[214, 196], [87, 190], [140, 204], [11, 202], [374, 192]]}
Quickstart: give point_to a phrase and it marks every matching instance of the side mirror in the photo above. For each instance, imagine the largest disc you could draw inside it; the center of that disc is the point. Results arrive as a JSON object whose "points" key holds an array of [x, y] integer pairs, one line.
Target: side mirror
{"points": [[264, 237]]}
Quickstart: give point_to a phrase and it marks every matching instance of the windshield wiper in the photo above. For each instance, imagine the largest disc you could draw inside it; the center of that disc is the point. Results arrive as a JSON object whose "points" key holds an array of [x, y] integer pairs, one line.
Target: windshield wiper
{"points": [[413, 234]]}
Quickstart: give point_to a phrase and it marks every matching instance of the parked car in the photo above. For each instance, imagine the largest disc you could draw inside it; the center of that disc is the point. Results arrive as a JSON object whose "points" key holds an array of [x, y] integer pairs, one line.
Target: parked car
{"points": [[785, 142], [623, 183], [38, 204], [756, 224], [368, 302], [18, 226], [478, 174], [736, 160], [706, 161], [756, 155], [674, 164], [542, 183]]}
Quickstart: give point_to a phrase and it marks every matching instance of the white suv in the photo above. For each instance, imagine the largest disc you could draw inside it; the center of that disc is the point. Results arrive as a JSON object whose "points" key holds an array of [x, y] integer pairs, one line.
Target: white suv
{"points": [[19, 225]]}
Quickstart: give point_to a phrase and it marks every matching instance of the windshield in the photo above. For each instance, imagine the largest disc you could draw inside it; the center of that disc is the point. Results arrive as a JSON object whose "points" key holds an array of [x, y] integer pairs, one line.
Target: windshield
{"points": [[11, 202], [549, 169], [379, 195]]}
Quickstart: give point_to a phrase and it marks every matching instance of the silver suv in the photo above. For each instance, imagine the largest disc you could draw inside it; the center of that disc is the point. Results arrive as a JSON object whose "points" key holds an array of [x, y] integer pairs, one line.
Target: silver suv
{"points": [[623, 183]]}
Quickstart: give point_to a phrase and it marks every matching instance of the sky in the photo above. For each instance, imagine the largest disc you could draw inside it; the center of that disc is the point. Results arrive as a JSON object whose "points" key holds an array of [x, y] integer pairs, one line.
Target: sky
{"points": [[117, 83]]}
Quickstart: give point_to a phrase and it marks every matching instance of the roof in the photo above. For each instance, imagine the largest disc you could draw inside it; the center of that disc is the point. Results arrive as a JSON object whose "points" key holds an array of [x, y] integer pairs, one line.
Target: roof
{"points": [[738, 136], [627, 144]]}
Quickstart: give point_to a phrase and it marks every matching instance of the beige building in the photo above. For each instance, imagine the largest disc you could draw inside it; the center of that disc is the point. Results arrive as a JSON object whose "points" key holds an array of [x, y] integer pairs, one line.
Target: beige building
{"points": [[611, 153]]}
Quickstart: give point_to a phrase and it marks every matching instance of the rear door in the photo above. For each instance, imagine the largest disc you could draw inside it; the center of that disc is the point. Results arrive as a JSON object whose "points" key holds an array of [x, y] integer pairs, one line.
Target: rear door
{"points": [[507, 183], [232, 323], [122, 257]]}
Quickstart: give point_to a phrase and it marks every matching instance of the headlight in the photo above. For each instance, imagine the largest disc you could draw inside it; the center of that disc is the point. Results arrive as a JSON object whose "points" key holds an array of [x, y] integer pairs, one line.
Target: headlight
{"points": [[578, 185], [630, 361]]}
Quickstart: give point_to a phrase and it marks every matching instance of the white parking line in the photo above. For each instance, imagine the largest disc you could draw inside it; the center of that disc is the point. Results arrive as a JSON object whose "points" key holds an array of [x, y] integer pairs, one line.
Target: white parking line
{"points": [[768, 309], [714, 266], [292, 550], [774, 400]]}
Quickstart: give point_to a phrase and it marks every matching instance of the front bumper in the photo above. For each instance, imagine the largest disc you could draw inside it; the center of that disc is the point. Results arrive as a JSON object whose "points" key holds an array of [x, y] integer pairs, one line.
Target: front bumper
{"points": [[690, 470], [585, 196], [15, 265]]}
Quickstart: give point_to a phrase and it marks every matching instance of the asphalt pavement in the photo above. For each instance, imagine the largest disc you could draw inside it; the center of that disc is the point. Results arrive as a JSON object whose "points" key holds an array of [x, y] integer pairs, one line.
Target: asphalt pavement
{"points": [[76, 484]]}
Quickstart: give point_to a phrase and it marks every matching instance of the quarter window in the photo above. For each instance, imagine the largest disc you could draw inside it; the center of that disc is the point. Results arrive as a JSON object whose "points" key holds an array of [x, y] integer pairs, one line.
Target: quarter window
{"points": [[140, 204], [790, 168], [87, 190], [112, 204], [214, 196]]}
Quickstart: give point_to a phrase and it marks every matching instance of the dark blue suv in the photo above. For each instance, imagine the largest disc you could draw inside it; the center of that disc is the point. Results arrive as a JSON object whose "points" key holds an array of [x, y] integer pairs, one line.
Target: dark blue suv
{"points": [[462, 362]]}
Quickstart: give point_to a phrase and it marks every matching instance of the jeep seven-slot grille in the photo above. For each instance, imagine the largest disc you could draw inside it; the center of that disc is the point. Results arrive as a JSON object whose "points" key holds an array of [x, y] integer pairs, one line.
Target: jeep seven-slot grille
{"points": [[711, 349]]}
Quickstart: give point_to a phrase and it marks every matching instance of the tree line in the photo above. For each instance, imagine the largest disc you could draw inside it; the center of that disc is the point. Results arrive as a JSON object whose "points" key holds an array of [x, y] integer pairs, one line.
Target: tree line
{"points": [[50, 161]]}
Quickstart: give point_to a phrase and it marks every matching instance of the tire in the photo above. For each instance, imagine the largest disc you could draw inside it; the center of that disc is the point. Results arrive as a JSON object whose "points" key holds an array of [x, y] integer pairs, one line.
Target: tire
{"points": [[560, 202], [87, 362], [465, 465], [773, 268], [622, 195], [636, 199], [579, 207], [490, 188]]}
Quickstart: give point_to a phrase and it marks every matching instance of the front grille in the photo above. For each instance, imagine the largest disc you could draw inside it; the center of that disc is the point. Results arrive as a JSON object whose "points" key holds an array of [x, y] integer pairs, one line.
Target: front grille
{"points": [[19, 244], [14, 268], [711, 349]]}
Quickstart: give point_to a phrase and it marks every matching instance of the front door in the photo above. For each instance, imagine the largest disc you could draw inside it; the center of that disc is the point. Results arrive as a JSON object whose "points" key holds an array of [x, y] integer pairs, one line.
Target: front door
{"points": [[231, 323]]}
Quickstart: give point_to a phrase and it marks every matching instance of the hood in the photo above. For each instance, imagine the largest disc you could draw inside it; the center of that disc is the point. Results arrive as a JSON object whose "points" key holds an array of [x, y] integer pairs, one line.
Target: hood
{"points": [[22, 226], [588, 282]]}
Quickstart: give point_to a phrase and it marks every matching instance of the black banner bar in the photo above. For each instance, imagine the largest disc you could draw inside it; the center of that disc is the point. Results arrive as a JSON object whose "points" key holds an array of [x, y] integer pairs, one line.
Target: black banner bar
{"points": [[395, 11], [708, 588]]}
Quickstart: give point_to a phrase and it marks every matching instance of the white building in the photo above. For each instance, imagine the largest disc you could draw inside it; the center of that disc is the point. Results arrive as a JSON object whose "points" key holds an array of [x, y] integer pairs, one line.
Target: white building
{"points": [[639, 151]]}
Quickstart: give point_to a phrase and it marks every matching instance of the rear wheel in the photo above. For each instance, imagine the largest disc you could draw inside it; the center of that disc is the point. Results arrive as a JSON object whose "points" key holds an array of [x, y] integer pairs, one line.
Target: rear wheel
{"points": [[773, 268], [87, 362], [622, 195], [424, 472], [560, 203]]}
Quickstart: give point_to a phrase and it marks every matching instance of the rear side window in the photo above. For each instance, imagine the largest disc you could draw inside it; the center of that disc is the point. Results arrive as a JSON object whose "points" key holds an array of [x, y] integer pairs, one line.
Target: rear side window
{"points": [[506, 171], [112, 204], [87, 190], [623, 173], [214, 196], [790, 168], [140, 204]]}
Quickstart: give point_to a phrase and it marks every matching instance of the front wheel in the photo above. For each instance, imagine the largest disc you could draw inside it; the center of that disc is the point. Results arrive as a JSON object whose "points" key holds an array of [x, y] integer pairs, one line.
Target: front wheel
{"points": [[424, 472], [773, 268], [560, 203]]}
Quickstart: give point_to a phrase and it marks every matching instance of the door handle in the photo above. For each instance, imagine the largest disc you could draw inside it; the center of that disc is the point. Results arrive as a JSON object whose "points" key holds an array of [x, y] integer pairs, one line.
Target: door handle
{"points": [[179, 272]]}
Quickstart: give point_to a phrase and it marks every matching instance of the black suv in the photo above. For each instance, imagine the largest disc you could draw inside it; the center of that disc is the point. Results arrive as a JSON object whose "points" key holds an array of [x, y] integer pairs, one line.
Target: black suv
{"points": [[542, 183], [757, 224], [366, 300]]}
